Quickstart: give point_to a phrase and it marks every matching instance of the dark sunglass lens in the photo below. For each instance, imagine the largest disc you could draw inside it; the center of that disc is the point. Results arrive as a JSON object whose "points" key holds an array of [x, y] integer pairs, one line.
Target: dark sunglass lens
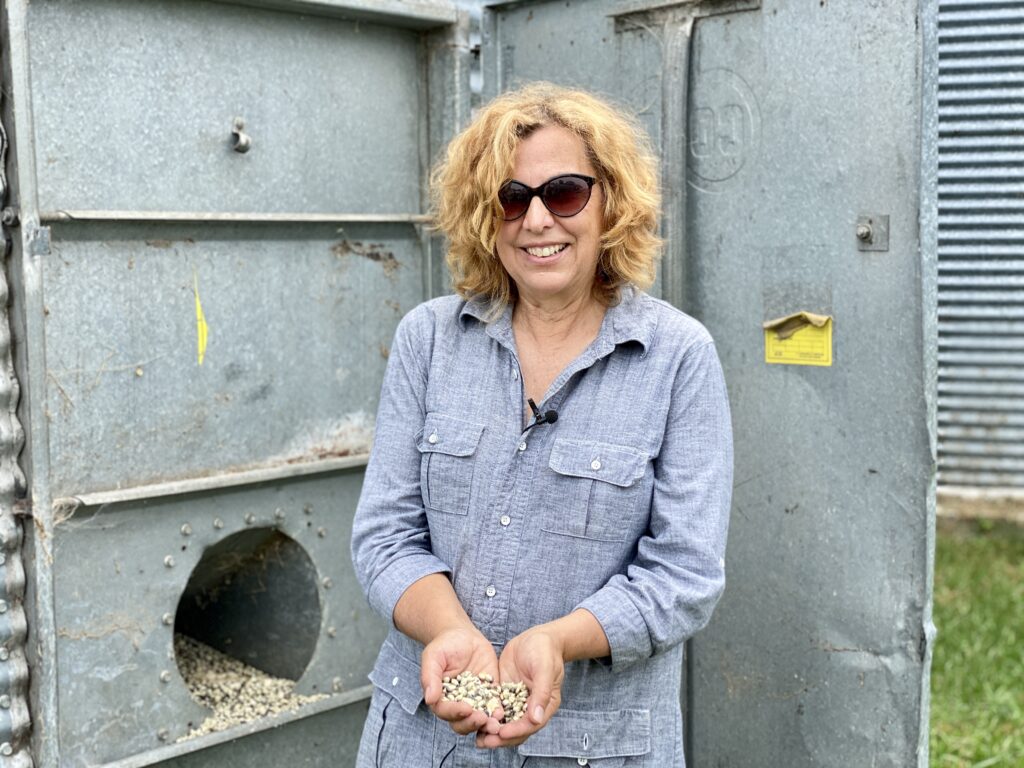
{"points": [[566, 196], [514, 199]]}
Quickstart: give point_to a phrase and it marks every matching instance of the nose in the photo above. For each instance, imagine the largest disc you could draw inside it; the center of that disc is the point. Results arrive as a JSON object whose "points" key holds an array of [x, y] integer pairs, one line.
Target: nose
{"points": [[537, 217]]}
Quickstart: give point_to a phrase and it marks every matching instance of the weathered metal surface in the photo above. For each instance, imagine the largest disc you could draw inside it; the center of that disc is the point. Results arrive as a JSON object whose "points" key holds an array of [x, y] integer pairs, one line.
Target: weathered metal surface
{"points": [[299, 327], [202, 333], [981, 242], [799, 118], [15, 720], [113, 642], [333, 109]]}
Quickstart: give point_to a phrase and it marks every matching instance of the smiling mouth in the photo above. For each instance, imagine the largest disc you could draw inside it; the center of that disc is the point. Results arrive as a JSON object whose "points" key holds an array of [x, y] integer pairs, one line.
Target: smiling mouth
{"points": [[546, 251]]}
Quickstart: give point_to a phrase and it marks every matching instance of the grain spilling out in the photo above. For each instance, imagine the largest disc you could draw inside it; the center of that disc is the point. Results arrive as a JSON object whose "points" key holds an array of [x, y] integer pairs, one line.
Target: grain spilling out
{"points": [[236, 692], [484, 694]]}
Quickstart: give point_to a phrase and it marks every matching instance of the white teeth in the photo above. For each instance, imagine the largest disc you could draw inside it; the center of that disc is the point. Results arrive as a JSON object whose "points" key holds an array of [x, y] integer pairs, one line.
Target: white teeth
{"points": [[547, 250]]}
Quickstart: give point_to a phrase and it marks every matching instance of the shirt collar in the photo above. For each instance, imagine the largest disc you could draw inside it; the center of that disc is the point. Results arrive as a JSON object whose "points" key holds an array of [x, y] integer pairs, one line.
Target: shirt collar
{"points": [[632, 319]]}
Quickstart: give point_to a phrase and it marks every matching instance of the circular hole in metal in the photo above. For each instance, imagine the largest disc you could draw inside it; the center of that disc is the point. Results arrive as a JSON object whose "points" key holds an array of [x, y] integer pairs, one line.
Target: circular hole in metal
{"points": [[254, 596]]}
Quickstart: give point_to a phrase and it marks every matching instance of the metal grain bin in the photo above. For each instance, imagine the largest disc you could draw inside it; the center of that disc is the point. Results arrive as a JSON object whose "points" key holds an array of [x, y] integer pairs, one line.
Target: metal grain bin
{"points": [[215, 218], [215, 213]]}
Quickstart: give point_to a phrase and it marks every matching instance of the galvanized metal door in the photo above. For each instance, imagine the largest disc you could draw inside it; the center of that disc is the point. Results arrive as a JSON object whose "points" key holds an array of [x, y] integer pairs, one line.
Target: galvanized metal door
{"points": [[216, 217], [793, 155]]}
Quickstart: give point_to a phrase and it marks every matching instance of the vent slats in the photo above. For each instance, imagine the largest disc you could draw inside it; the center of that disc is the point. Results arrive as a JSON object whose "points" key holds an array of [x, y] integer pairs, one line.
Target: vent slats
{"points": [[981, 243]]}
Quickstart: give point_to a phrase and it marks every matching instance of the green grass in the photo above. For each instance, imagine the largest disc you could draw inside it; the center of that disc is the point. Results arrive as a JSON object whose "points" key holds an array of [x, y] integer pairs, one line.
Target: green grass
{"points": [[977, 710]]}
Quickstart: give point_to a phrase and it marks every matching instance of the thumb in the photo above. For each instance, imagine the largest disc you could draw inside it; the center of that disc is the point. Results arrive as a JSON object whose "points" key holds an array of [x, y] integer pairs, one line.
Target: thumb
{"points": [[430, 679], [540, 697]]}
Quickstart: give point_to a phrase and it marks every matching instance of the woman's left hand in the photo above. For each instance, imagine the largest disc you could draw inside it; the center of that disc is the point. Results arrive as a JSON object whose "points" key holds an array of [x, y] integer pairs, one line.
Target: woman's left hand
{"points": [[536, 657]]}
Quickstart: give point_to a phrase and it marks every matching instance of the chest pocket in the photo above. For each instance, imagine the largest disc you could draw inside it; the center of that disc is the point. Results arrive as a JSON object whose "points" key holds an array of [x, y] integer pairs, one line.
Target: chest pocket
{"points": [[447, 446], [596, 486]]}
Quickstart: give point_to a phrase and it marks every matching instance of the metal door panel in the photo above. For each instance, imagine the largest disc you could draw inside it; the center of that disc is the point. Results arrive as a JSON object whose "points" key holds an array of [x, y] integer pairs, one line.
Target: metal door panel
{"points": [[297, 343], [788, 124], [116, 583], [332, 107]]}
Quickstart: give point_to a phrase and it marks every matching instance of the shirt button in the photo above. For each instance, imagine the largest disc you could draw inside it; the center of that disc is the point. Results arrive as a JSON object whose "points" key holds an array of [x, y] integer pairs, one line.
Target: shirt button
{"points": [[522, 446], [394, 681], [581, 761], [490, 591], [505, 520], [595, 464], [432, 439]]}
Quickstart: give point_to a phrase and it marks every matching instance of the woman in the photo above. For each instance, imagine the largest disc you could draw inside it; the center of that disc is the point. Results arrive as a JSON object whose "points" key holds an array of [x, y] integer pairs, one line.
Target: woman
{"points": [[548, 493]]}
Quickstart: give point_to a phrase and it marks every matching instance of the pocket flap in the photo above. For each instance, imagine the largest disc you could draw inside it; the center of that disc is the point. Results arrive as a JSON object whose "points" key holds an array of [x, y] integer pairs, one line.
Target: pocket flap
{"points": [[449, 435], [592, 735], [398, 677], [616, 464]]}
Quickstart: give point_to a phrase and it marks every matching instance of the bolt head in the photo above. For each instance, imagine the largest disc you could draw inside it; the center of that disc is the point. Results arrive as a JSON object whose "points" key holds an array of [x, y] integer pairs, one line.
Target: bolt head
{"points": [[163, 734], [250, 519], [332, 632], [327, 583], [218, 523], [279, 513], [864, 232], [321, 532], [167, 618], [165, 676], [169, 561], [186, 530]]}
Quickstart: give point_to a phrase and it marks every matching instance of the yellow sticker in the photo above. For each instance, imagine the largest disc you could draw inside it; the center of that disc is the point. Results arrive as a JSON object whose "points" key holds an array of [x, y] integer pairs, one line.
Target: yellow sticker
{"points": [[202, 329], [800, 339]]}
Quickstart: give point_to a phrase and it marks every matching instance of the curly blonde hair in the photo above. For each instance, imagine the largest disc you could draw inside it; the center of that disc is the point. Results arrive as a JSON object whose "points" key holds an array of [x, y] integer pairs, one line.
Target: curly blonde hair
{"points": [[465, 184]]}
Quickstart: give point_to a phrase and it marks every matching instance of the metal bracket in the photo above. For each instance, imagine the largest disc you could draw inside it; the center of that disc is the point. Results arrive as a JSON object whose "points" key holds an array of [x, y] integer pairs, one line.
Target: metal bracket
{"points": [[873, 232]]}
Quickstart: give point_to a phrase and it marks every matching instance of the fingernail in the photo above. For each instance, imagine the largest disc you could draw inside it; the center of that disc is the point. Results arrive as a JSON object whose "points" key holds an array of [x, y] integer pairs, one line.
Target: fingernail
{"points": [[538, 713]]}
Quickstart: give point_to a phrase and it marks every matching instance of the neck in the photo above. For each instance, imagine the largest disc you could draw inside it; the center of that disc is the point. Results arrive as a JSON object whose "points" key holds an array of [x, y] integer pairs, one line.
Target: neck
{"points": [[555, 319]]}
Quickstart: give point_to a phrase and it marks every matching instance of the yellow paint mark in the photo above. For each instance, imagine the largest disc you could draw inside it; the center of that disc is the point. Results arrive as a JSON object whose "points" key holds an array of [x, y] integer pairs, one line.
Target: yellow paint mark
{"points": [[202, 329], [799, 339]]}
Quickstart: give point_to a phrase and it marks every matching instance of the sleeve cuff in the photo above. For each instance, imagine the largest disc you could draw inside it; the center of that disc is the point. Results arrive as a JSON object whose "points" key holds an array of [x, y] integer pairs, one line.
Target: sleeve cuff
{"points": [[391, 583], [623, 625]]}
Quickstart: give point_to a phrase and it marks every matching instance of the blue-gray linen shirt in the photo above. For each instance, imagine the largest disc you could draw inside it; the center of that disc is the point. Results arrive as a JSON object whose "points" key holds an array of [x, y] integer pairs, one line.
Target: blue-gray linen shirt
{"points": [[620, 507]]}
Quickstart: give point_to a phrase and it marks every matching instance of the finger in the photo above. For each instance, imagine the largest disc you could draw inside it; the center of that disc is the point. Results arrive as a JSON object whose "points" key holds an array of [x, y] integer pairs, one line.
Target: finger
{"points": [[540, 699], [431, 671], [452, 711], [470, 724]]}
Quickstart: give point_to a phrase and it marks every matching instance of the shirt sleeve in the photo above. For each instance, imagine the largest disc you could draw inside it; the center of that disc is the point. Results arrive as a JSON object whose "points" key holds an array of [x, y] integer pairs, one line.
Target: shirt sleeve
{"points": [[669, 590], [390, 537]]}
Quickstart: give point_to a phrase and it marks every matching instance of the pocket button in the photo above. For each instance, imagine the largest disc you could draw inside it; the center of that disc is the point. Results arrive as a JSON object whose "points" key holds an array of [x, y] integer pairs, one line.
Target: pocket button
{"points": [[581, 761], [595, 465], [432, 439]]}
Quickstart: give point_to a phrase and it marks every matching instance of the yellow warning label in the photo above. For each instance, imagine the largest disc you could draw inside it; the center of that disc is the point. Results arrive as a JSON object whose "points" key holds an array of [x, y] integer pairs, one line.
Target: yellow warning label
{"points": [[807, 344], [202, 329]]}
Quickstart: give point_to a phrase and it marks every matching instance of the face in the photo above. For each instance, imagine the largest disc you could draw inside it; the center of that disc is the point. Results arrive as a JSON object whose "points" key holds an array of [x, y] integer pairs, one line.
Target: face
{"points": [[551, 257]]}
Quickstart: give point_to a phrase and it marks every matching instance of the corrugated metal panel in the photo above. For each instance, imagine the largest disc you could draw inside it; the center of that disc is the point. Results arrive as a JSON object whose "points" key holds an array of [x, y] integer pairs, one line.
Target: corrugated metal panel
{"points": [[981, 243]]}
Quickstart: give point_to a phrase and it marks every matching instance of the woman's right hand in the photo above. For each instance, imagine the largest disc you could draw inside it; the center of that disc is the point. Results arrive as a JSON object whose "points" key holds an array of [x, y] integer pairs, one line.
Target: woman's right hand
{"points": [[450, 653]]}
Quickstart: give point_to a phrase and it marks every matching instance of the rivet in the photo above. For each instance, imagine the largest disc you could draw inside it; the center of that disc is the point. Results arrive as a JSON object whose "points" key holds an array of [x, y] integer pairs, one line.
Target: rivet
{"points": [[279, 513], [864, 232], [321, 532], [218, 523], [308, 509], [332, 632], [327, 582], [163, 734], [139, 372], [169, 561], [4, 654], [6, 749], [336, 685], [167, 618], [165, 676], [250, 519], [186, 530], [5, 702]]}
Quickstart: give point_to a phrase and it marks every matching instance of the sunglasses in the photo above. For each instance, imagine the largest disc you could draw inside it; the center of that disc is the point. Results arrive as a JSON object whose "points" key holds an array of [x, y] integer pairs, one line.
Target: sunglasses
{"points": [[564, 196]]}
